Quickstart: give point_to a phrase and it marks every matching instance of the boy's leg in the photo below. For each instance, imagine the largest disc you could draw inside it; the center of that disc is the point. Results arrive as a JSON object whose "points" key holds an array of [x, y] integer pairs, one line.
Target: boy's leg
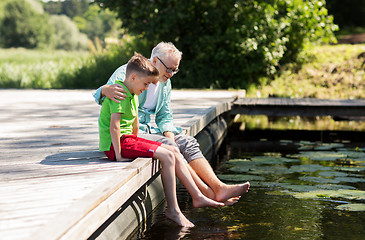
{"points": [[203, 187], [132, 146], [182, 172], [173, 211]]}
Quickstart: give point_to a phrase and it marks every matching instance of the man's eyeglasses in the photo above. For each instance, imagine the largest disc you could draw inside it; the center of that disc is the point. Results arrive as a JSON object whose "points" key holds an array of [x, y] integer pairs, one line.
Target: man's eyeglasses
{"points": [[169, 70]]}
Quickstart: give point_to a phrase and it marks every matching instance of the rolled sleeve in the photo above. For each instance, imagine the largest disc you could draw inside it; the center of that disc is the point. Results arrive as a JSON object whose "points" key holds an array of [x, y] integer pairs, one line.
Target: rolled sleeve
{"points": [[119, 74], [164, 119], [97, 96]]}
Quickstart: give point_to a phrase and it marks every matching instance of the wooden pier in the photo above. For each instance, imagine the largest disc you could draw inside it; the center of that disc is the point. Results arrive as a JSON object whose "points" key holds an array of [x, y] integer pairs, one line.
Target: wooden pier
{"points": [[299, 107], [54, 182]]}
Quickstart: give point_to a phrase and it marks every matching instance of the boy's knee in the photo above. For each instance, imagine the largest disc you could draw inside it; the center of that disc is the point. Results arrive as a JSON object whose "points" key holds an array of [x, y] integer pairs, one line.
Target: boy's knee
{"points": [[169, 157], [175, 150]]}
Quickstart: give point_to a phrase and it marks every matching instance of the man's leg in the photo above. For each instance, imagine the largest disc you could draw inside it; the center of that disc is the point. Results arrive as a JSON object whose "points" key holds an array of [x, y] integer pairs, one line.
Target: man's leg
{"points": [[223, 192], [157, 138], [189, 148]]}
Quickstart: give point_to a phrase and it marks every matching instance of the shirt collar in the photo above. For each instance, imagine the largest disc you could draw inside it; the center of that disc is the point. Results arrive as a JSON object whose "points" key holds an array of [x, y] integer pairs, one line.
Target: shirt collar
{"points": [[129, 95]]}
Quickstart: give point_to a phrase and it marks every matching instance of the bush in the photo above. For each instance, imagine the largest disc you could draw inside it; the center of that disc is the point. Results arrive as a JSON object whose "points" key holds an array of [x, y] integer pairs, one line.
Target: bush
{"points": [[100, 66], [228, 43], [67, 35]]}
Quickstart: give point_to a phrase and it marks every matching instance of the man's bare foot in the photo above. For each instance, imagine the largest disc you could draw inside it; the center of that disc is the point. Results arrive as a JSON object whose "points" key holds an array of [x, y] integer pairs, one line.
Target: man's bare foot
{"points": [[232, 201], [230, 191], [178, 218], [206, 202]]}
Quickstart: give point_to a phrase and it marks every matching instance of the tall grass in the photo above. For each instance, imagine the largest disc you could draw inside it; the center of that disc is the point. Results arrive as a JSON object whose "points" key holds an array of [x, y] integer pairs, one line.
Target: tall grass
{"points": [[22, 68]]}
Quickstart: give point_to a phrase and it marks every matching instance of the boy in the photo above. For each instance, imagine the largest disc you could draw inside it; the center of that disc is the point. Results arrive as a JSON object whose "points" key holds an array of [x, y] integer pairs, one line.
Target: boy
{"points": [[118, 127]]}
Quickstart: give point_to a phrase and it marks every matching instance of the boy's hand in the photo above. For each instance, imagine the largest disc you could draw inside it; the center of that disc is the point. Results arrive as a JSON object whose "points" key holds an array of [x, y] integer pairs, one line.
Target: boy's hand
{"points": [[121, 159], [115, 92]]}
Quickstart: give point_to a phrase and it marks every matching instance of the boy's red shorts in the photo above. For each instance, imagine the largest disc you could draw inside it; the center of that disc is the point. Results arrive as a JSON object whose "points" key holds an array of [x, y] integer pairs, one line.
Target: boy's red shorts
{"points": [[133, 147]]}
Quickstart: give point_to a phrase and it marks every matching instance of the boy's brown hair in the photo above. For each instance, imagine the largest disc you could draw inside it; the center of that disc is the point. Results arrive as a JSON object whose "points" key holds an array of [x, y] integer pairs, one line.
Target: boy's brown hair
{"points": [[142, 66]]}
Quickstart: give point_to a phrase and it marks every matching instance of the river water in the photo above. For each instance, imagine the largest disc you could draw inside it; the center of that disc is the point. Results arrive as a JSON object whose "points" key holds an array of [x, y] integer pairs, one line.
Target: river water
{"points": [[307, 182]]}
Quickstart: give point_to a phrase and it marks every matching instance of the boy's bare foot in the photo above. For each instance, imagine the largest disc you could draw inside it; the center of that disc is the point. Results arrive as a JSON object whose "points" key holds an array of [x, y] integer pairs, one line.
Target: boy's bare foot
{"points": [[230, 191], [178, 218], [206, 202]]}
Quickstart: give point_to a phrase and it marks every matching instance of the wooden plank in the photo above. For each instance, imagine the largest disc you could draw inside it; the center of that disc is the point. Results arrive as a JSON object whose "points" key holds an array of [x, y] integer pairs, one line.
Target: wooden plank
{"points": [[301, 107], [97, 206]]}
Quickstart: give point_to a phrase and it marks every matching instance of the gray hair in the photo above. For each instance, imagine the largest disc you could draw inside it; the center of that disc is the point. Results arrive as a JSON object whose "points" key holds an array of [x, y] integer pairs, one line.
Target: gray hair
{"points": [[164, 49]]}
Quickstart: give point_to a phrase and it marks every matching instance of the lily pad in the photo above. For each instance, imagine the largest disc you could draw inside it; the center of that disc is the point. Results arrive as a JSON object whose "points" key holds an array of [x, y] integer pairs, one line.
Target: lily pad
{"points": [[241, 163], [300, 188], [354, 207], [270, 184], [320, 155], [329, 146], [269, 170], [308, 168], [306, 143], [353, 154], [240, 177], [273, 160], [334, 187], [342, 193], [350, 179], [332, 174], [319, 180], [238, 161], [302, 148], [349, 169]]}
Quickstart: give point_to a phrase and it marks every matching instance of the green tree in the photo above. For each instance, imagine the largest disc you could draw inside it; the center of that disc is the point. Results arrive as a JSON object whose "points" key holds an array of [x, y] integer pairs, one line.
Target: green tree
{"points": [[227, 43], [53, 7], [73, 8], [67, 36], [99, 23], [22, 26]]}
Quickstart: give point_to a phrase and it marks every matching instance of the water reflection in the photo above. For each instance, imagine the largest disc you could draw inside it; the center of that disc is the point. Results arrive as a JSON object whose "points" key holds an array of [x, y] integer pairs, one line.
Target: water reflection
{"points": [[300, 123], [299, 183]]}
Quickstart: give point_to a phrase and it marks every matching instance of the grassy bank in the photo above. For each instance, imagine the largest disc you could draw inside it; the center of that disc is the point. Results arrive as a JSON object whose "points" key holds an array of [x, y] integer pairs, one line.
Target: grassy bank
{"points": [[333, 71], [22, 68]]}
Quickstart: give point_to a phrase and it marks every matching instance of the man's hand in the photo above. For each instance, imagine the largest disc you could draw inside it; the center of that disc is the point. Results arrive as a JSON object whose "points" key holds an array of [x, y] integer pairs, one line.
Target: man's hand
{"points": [[115, 92], [170, 135]]}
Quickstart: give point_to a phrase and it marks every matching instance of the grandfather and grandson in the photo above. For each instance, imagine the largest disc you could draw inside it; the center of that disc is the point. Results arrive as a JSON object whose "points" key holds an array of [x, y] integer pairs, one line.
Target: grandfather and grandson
{"points": [[165, 57], [118, 128]]}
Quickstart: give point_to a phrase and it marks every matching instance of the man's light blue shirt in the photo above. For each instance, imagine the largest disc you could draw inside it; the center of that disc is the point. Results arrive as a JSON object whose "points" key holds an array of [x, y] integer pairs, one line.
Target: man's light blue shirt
{"points": [[163, 111]]}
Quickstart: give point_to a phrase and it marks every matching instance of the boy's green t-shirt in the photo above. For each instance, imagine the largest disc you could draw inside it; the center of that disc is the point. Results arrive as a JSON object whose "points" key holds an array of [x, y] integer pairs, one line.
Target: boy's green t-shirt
{"points": [[129, 110]]}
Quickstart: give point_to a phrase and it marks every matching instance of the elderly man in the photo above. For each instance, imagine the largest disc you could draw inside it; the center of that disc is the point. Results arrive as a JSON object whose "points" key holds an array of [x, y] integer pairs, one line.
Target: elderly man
{"points": [[157, 100]]}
